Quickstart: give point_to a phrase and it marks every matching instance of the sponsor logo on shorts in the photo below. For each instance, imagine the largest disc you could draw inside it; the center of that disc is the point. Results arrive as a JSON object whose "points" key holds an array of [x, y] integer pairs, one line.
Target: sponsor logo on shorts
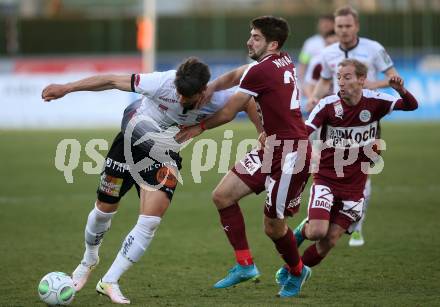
{"points": [[110, 185], [165, 175], [251, 162], [321, 204], [353, 209], [155, 166], [294, 202], [115, 165]]}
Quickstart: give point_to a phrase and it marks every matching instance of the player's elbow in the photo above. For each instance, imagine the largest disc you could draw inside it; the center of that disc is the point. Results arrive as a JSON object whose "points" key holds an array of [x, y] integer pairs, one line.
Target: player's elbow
{"points": [[415, 106]]}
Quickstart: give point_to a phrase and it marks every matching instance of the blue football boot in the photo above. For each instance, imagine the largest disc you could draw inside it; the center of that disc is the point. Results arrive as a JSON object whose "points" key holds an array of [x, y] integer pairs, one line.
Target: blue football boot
{"points": [[239, 273], [293, 284], [298, 233], [281, 275]]}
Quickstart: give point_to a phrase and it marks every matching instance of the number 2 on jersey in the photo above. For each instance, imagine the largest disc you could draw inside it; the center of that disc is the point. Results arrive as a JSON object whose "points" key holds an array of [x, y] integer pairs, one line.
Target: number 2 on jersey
{"points": [[289, 77]]}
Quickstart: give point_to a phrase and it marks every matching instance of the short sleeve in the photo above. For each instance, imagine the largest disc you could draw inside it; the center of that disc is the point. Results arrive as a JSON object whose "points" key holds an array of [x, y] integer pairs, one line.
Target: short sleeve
{"points": [[313, 70], [385, 104], [147, 84], [308, 77], [318, 116], [218, 100], [305, 56], [382, 60], [252, 82], [326, 72]]}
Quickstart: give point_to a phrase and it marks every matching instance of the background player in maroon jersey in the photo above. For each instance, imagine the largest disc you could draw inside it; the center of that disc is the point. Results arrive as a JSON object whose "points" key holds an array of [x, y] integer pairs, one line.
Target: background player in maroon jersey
{"points": [[349, 122], [271, 81]]}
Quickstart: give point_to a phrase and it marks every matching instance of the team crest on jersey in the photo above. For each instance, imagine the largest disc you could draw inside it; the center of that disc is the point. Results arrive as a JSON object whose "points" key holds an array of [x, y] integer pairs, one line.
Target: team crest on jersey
{"points": [[339, 111], [365, 116]]}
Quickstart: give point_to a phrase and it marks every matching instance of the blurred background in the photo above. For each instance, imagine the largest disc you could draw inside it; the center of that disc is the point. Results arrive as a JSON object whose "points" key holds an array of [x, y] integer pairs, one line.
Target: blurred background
{"points": [[55, 41]]}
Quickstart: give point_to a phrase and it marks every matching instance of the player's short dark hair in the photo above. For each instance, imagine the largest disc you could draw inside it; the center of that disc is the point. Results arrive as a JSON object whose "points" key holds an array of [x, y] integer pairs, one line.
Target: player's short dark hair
{"points": [[329, 17], [191, 77], [274, 29], [347, 10], [360, 69], [329, 33]]}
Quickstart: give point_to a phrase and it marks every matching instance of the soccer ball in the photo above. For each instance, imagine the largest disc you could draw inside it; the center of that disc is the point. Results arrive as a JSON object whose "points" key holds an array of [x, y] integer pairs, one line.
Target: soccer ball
{"points": [[56, 288]]}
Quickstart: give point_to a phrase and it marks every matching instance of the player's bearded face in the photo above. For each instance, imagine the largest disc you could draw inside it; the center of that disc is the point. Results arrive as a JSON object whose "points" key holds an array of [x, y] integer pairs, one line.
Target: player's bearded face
{"points": [[257, 45]]}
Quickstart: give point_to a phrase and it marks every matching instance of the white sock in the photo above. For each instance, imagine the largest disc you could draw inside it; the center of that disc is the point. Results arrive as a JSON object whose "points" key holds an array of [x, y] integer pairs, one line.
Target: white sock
{"points": [[133, 247], [367, 195], [98, 223]]}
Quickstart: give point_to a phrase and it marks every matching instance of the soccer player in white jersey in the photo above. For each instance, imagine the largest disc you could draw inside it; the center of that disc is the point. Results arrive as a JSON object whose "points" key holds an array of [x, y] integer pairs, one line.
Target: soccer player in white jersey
{"points": [[369, 52], [314, 68], [170, 98], [314, 44]]}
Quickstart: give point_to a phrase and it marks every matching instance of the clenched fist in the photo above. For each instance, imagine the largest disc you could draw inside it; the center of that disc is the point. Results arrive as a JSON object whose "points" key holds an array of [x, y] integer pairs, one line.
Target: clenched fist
{"points": [[54, 91]]}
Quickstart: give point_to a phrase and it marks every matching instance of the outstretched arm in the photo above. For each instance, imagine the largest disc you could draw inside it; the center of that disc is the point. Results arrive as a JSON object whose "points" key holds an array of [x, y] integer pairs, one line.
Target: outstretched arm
{"points": [[238, 102], [95, 83], [228, 79], [408, 101], [225, 81]]}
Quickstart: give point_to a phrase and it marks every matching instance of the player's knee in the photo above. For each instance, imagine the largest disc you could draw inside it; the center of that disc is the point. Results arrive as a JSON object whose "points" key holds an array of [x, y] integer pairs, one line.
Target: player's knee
{"points": [[274, 231], [220, 199], [106, 207], [316, 231]]}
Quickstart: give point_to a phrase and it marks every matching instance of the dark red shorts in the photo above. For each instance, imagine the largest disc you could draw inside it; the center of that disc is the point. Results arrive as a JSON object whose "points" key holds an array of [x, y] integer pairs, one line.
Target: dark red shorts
{"points": [[283, 179], [339, 207]]}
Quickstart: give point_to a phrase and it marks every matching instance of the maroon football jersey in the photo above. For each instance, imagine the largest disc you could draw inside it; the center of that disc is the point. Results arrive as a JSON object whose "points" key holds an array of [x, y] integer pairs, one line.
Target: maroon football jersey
{"points": [[272, 82], [347, 127]]}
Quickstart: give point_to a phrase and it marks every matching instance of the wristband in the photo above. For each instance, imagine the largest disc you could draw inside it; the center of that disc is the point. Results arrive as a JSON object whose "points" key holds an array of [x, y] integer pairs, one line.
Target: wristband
{"points": [[202, 125]]}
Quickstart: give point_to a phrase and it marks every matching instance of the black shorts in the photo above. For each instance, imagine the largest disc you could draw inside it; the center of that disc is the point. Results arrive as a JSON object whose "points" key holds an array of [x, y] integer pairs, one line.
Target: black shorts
{"points": [[116, 179]]}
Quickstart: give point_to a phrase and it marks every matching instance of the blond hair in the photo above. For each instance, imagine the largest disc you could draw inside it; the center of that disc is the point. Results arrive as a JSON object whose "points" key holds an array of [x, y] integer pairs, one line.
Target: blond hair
{"points": [[360, 69], [347, 10]]}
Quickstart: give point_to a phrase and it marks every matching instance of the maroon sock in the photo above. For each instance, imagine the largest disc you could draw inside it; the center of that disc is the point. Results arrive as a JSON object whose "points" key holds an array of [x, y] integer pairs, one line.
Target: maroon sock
{"points": [[286, 246], [311, 256], [233, 225]]}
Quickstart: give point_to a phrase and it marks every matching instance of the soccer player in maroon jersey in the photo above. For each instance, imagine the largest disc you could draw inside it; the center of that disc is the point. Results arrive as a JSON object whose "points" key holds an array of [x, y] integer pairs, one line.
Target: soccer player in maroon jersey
{"points": [[369, 52], [281, 168], [349, 122]]}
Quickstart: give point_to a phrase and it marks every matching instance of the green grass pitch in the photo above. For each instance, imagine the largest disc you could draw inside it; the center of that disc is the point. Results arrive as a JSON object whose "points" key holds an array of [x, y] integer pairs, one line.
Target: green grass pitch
{"points": [[42, 221]]}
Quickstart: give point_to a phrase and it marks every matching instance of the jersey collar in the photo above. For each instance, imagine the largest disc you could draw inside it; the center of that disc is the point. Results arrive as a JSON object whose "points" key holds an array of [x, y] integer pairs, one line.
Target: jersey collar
{"points": [[349, 49], [349, 105], [266, 57]]}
